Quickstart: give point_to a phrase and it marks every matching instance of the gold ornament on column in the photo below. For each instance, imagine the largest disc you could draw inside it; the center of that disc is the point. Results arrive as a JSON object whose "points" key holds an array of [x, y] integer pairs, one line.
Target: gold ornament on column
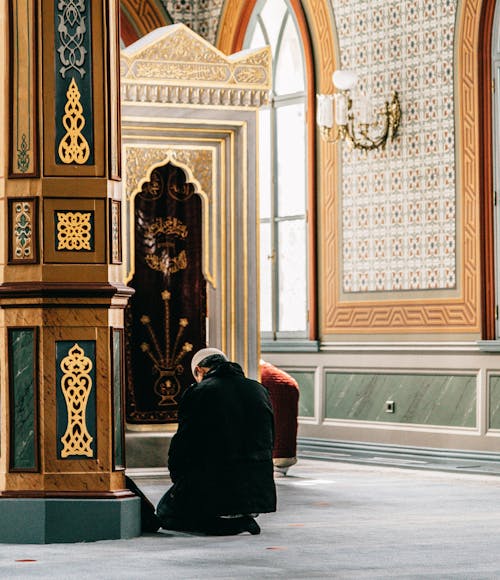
{"points": [[74, 230], [76, 385], [73, 147]]}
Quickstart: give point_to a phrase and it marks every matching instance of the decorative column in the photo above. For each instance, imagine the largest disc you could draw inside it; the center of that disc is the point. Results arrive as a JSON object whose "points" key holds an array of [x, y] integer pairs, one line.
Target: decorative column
{"points": [[61, 296]]}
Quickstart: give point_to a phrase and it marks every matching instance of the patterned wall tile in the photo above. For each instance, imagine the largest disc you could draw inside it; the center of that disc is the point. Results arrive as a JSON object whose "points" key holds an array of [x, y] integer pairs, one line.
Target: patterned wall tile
{"points": [[398, 205], [202, 16]]}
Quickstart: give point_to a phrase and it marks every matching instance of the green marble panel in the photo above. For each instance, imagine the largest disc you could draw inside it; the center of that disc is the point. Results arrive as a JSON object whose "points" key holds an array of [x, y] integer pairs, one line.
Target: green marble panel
{"points": [[306, 386], [424, 399], [117, 398], [494, 412], [23, 420]]}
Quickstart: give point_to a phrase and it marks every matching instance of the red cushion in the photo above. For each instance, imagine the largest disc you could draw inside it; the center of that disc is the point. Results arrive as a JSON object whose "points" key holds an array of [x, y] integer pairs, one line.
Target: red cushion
{"points": [[284, 392]]}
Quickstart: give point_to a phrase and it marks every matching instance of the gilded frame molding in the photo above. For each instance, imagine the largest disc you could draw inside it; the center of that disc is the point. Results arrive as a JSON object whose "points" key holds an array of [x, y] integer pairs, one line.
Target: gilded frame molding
{"points": [[193, 160]]}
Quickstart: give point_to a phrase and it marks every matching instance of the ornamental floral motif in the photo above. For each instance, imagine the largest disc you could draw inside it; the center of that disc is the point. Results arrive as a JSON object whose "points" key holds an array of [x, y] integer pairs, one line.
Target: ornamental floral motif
{"points": [[76, 385], [74, 230], [182, 56], [23, 159], [72, 29], [167, 361], [140, 159], [162, 237], [23, 246], [73, 147], [202, 16]]}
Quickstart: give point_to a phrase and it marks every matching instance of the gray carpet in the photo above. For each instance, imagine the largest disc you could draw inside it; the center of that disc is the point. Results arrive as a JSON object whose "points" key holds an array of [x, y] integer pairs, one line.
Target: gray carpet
{"points": [[335, 520]]}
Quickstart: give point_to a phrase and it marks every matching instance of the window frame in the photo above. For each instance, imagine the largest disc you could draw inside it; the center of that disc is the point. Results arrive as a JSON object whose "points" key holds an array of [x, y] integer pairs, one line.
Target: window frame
{"points": [[488, 242], [306, 339], [495, 115]]}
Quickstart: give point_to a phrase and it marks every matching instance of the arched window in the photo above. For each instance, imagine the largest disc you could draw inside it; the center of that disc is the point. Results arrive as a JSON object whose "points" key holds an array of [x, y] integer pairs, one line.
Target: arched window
{"points": [[284, 181]]}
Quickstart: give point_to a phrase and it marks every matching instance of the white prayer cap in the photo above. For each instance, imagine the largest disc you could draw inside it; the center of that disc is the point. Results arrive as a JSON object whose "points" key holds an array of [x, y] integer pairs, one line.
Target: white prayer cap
{"points": [[203, 353]]}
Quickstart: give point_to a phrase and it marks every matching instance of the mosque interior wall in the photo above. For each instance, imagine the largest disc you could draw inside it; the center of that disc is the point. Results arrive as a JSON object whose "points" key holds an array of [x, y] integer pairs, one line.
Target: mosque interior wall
{"points": [[398, 256], [400, 309]]}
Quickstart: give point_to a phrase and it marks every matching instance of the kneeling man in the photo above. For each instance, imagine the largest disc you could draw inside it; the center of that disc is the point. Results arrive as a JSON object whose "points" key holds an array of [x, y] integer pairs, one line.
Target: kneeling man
{"points": [[220, 459]]}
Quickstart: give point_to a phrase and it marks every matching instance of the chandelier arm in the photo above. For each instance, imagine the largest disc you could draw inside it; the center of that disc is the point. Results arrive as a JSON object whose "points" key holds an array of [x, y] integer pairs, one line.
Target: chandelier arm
{"points": [[363, 141], [328, 135]]}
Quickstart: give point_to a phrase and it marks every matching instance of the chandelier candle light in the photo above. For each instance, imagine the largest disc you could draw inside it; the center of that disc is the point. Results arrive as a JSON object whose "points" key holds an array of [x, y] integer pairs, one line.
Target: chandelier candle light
{"points": [[357, 123]]}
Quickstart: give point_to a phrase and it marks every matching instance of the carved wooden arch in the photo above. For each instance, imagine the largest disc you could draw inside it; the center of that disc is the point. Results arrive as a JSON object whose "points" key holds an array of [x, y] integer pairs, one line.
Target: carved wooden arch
{"points": [[456, 314], [142, 161], [485, 37], [138, 17]]}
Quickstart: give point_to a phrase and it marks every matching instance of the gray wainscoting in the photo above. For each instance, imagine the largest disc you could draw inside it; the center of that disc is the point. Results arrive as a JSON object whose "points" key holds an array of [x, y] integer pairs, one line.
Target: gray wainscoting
{"points": [[425, 399], [306, 387]]}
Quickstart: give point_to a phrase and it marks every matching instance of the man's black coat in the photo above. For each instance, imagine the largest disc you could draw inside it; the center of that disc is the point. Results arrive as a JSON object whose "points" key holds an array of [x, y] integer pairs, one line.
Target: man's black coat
{"points": [[220, 459]]}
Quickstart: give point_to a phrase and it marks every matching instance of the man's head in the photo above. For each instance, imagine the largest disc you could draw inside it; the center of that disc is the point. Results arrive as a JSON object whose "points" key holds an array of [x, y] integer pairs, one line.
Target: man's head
{"points": [[204, 360]]}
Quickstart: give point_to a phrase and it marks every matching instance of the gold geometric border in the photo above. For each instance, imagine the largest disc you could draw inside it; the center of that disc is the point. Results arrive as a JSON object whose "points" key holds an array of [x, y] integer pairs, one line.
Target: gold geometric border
{"points": [[413, 315]]}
